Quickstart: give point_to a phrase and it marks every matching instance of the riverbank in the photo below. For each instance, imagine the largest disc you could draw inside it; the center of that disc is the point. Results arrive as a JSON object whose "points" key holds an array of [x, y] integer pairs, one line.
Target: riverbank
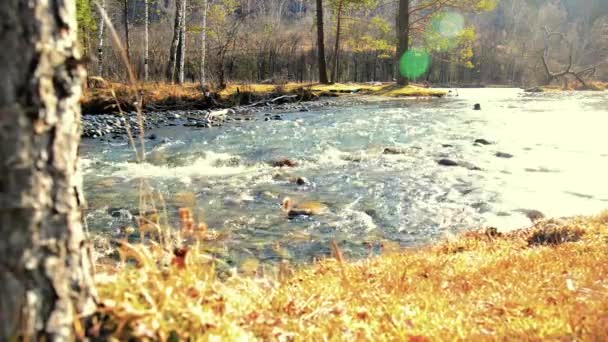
{"points": [[187, 105], [591, 86], [103, 97], [546, 282]]}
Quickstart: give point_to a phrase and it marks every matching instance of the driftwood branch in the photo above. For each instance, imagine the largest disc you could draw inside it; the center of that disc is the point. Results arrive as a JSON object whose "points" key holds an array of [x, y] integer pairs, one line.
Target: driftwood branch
{"points": [[551, 76]]}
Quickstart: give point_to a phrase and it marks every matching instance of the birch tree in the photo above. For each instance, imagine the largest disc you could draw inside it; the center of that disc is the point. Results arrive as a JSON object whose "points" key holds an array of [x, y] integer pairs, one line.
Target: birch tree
{"points": [[182, 44], [100, 36], [146, 39], [204, 43], [176, 43], [45, 267]]}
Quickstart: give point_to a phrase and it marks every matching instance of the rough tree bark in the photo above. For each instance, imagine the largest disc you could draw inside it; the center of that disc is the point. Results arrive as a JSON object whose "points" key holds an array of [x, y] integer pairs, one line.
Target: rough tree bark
{"points": [[45, 265], [334, 72], [146, 39], [321, 44], [100, 36], [403, 37], [204, 43]]}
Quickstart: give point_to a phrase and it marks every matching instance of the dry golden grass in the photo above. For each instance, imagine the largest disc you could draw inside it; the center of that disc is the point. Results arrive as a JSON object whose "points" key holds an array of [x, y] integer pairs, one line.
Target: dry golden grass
{"points": [[572, 86], [547, 282], [166, 96], [389, 90]]}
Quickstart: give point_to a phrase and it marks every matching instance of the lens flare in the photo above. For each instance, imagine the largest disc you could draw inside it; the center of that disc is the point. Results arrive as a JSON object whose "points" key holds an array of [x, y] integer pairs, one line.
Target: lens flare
{"points": [[414, 63], [450, 24]]}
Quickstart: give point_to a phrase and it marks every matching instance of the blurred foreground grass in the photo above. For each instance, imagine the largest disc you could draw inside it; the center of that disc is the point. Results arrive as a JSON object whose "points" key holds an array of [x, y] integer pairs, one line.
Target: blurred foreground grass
{"points": [[546, 282]]}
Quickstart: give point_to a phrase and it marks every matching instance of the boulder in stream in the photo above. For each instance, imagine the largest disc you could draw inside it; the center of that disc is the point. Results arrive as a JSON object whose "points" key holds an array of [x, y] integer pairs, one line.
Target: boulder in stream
{"points": [[482, 142], [503, 155], [283, 163], [447, 162]]}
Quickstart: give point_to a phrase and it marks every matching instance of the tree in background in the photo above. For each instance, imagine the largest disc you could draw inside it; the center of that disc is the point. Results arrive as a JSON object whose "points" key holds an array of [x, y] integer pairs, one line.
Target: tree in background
{"points": [[339, 6], [176, 57], [100, 38], [403, 37], [146, 38], [45, 266], [126, 27], [224, 25], [321, 44], [86, 25], [413, 21]]}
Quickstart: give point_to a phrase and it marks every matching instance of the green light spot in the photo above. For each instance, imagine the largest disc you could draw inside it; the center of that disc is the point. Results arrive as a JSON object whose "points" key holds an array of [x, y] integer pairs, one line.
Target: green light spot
{"points": [[451, 24], [414, 63]]}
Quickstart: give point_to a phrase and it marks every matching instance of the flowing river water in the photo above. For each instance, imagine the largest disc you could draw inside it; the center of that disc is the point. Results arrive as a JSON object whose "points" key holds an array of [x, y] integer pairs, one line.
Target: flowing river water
{"points": [[552, 157]]}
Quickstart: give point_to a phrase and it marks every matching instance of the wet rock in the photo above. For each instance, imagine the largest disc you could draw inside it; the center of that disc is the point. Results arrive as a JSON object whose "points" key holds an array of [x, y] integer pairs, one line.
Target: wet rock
{"points": [[533, 214], [447, 162], [482, 142], [230, 162], [393, 150], [447, 145], [503, 155], [121, 214], [477, 106], [302, 181], [152, 136], [283, 163]]}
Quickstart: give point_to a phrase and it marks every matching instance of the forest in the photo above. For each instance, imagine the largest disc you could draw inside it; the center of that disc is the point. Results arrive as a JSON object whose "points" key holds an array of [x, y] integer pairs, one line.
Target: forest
{"points": [[482, 42]]}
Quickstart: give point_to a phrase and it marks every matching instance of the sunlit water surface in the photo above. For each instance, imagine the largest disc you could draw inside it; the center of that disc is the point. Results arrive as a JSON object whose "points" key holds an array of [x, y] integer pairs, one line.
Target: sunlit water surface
{"points": [[559, 167]]}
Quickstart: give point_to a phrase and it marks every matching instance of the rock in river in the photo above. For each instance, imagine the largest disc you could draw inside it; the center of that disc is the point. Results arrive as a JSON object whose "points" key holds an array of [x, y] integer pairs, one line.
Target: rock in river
{"points": [[503, 155], [482, 142], [283, 163], [447, 162]]}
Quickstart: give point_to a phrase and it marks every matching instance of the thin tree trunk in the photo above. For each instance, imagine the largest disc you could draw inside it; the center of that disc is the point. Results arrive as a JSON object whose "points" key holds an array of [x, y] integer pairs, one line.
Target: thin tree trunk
{"points": [[146, 40], [100, 37], [173, 53], [403, 37], [321, 44], [126, 23], [334, 73], [182, 46], [45, 266], [204, 42]]}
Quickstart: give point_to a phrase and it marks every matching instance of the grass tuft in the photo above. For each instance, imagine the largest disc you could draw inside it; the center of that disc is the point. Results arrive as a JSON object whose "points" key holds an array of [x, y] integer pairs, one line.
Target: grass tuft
{"points": [[481, 285]]}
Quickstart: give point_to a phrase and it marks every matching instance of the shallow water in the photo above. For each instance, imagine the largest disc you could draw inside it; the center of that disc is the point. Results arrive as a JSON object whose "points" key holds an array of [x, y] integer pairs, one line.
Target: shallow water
{"points": [[559, 163]]}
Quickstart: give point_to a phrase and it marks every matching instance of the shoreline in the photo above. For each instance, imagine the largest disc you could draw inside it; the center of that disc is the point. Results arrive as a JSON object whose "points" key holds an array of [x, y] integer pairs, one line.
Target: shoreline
{"points": [[113, 126], [174, 105], [533, 283]]}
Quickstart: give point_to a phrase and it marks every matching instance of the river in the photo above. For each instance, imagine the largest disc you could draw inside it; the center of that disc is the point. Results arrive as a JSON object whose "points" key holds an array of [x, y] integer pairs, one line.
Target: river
{"points": [[552, 157]]}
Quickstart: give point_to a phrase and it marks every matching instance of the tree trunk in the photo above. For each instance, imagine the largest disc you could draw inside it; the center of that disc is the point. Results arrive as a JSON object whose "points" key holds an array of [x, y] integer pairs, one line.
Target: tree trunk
{"points": [[334, 73], [403, 37], [321, 44], [204, 43], [45, 266], [182, 44], [100, 41], [173, 53], [146, 39], [126, 23]]}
